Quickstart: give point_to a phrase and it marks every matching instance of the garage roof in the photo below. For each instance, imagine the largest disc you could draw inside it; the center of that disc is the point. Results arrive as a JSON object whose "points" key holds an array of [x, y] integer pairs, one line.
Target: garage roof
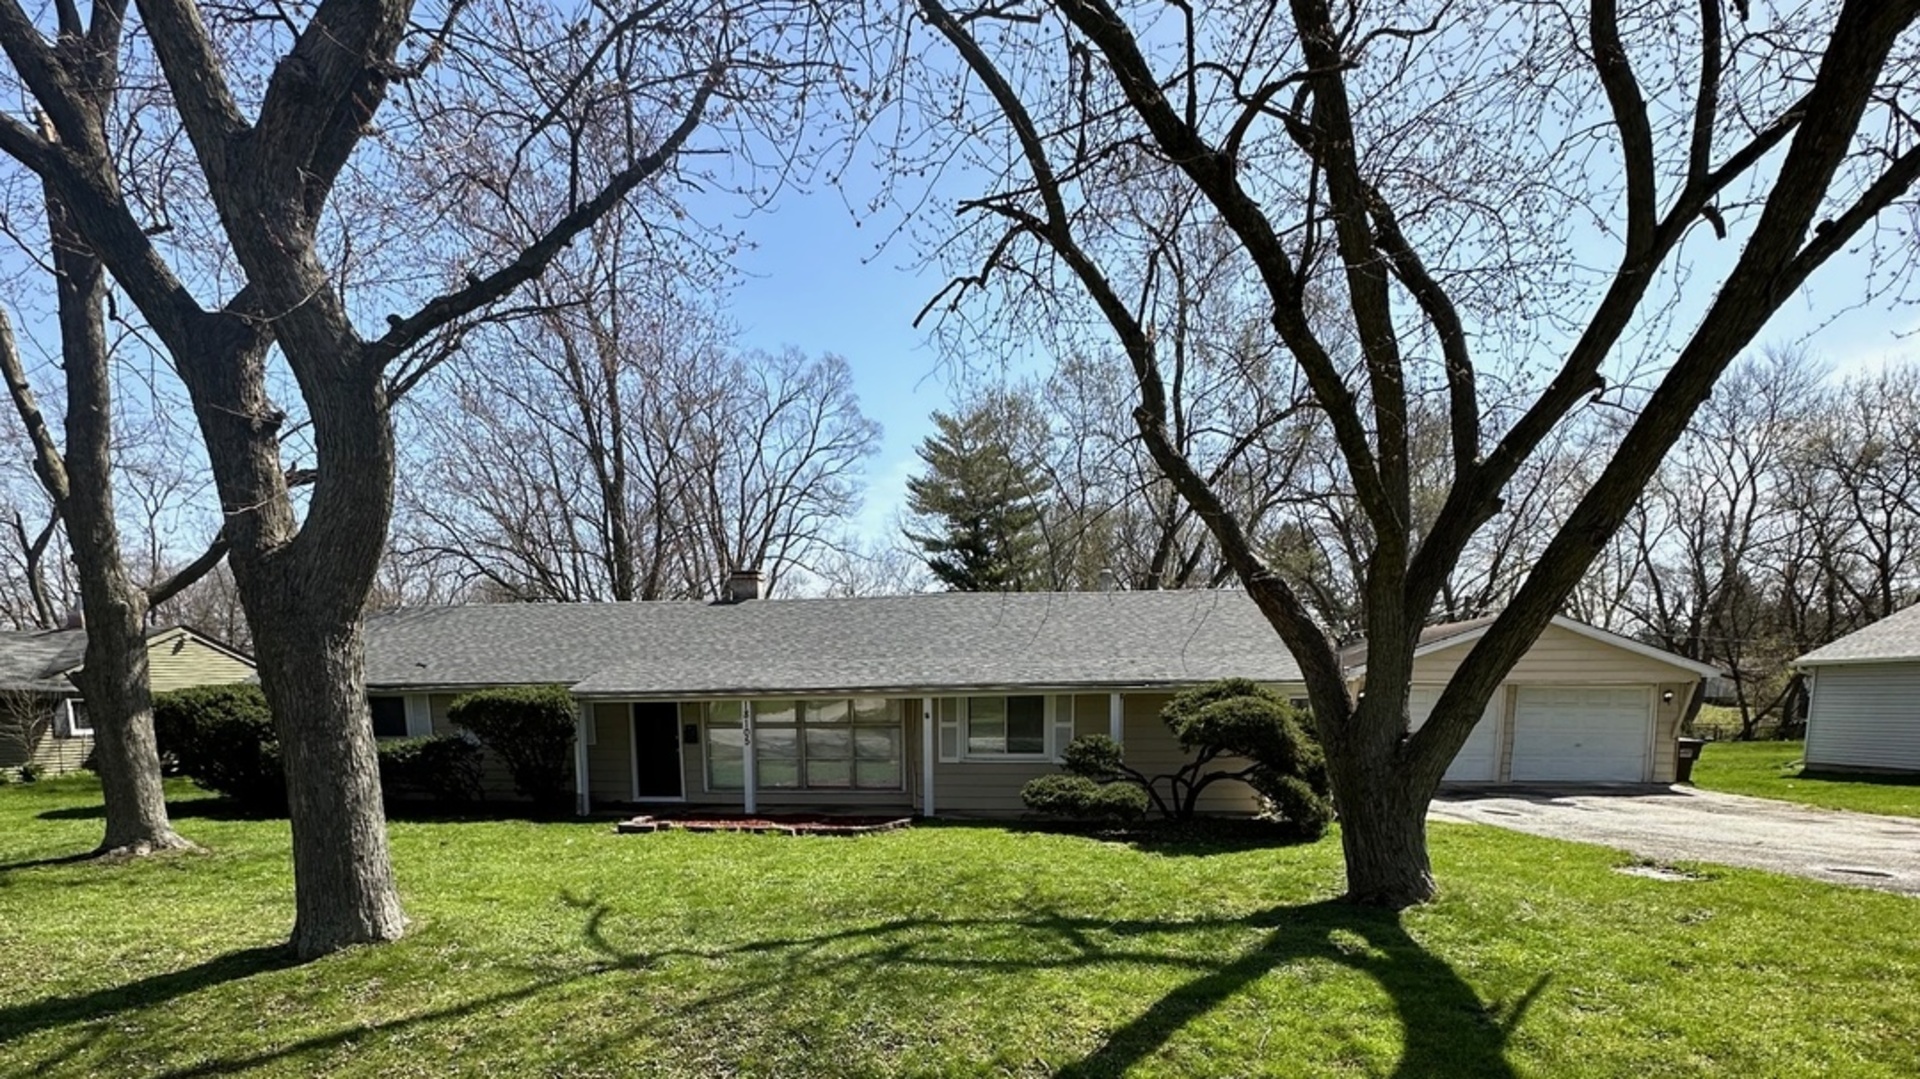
{"points": [[1893, 638]]}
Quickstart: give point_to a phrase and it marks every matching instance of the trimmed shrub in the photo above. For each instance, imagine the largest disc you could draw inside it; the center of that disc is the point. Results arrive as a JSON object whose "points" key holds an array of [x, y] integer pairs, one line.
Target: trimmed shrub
{"points": [[531, 728], [222, 738], [441, 767], [1235, 731], [1081, 798]]}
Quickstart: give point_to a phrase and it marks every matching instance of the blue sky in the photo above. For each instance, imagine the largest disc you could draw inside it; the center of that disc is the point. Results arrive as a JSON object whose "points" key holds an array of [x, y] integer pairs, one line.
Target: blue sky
{"points": [[814, 280]]}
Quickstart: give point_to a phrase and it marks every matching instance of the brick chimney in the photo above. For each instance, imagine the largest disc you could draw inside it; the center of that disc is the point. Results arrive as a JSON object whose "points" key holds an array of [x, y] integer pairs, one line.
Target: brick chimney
{"points": [[742, 585]]}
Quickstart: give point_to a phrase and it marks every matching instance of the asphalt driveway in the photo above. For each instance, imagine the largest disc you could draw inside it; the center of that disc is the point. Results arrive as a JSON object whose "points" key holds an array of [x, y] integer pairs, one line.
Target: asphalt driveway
{"points": [[1670, 824]]}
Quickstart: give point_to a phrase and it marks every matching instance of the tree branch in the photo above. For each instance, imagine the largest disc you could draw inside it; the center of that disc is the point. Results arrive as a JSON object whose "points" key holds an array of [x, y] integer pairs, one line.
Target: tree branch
{"points": [[404, 333]]}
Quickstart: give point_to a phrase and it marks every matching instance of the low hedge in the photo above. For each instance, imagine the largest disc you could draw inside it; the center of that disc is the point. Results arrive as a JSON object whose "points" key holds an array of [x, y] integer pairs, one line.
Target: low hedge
{"points": [[222, 738]]}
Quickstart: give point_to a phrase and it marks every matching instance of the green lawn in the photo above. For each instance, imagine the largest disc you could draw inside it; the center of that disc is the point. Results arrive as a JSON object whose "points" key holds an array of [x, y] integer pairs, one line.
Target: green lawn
{"points": [[1772, 770], [562, 949]]}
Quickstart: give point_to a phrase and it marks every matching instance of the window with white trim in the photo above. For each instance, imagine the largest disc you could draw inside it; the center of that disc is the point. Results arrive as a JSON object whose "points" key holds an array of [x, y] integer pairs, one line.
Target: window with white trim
{"points": [[1016, 727], [389, 713], [79, 725], [832, 744]]}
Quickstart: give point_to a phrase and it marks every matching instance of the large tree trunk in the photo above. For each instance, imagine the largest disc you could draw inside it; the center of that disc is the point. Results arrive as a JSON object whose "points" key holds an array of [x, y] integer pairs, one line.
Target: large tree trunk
{"points": [[310, 668], [1383, 833], [114, 683], [113, 678], [1382, 799]]}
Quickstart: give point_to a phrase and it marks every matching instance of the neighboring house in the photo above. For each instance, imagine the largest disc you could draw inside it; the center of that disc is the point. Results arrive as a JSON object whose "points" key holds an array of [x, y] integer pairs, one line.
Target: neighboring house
{"points": [[43, 720], [949, 703], [1863, 698]]}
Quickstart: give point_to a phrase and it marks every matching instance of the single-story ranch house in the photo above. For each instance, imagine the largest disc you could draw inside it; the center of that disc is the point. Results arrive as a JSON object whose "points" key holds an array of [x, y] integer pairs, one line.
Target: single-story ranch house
{"points": [[1863, 698], [43, 720], [948, 703]]}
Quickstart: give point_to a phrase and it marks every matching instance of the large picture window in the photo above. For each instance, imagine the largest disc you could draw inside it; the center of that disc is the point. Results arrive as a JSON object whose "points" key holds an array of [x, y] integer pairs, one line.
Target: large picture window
{"points": [[835, 744]]}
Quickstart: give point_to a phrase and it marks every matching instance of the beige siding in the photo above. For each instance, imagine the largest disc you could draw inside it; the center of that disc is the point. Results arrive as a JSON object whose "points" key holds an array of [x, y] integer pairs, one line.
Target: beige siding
{"points": [[31, 724], [58, 756], [1559, 656], [610, 756], [1865, 717], [179, 660], [1666, 726]]}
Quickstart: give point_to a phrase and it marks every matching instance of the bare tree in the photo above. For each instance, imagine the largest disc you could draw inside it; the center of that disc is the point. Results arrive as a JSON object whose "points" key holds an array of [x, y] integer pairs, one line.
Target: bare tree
{"points": [[277, 115], [79, 477], [1370, 157]]}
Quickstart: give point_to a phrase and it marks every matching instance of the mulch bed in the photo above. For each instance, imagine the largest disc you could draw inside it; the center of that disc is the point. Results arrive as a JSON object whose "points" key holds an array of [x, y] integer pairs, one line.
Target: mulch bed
{"points": [[777, 824]]}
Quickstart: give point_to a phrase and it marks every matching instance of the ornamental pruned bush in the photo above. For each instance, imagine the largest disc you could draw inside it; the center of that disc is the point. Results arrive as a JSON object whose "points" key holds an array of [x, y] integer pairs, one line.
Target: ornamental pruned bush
{"points": [[531, 729], [222, 738], [1235, 731]]}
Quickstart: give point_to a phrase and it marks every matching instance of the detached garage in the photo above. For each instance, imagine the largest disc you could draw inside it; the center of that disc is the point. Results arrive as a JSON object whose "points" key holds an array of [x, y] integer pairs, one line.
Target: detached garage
{"points": [[1863, 709], [1583, 706]]}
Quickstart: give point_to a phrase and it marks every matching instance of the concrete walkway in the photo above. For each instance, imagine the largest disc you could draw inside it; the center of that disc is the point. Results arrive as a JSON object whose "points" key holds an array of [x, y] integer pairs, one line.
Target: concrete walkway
{"points": [[1684, 824]]}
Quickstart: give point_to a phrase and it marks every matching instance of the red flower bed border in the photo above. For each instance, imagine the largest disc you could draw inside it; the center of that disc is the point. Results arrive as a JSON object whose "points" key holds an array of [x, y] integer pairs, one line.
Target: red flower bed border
{"points": [[776, 824]]}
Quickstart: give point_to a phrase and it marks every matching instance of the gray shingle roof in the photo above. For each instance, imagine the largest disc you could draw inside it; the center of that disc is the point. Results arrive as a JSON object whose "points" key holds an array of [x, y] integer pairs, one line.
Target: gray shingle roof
{"points": [[37, 660], [947, 641], [1355, 655], [1895, 637]]}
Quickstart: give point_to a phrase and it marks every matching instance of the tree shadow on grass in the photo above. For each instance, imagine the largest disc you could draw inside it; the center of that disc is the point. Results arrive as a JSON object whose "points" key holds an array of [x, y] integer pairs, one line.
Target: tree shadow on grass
{"points": [[1448, 1029], [20, 1020]]}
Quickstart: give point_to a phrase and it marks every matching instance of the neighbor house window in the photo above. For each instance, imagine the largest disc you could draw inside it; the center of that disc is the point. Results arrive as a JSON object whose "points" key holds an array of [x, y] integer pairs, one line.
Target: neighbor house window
{"points": [[78, 723], [389, 716], [833, 744]]}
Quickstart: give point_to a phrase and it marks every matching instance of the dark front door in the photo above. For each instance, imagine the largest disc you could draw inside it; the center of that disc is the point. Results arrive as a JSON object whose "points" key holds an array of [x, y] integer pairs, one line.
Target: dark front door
{"points": [[656, 749]]}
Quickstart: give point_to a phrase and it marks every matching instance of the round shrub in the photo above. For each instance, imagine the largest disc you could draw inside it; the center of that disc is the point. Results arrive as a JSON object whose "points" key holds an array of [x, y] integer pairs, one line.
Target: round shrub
{"points": [[531, 729], [222, 738], [1080, 798]]}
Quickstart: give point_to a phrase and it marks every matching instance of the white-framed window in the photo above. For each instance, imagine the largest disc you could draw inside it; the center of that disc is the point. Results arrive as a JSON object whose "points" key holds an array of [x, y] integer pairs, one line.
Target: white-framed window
{"points": [[78, 724], [830, 744], [1011, 727], [389, 712]]}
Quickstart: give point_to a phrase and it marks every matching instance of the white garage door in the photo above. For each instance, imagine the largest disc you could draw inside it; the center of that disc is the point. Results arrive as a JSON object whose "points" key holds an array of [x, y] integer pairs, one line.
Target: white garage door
{"points": [[1594, 735], [1474, 763]]}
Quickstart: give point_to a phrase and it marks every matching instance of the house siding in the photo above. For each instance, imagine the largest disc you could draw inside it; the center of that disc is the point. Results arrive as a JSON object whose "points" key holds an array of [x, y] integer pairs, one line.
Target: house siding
{"points": [[180, 660], [1560, 656], [1865, 717]]}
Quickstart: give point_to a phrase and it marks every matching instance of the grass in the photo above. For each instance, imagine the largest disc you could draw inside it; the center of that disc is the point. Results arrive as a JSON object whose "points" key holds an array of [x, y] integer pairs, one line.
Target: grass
{"points": [[564, 950], [1772, 770]]}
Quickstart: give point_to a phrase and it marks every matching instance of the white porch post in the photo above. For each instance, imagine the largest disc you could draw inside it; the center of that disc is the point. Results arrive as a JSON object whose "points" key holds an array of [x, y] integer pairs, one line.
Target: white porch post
{"points": [[749, 750], [581, 788], [929, 753], [1116, 718]]}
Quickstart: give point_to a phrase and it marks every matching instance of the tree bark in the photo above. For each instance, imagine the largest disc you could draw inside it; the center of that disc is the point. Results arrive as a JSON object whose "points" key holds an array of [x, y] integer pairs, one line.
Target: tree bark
{"points": [[1383, 834], [310, 667]]}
